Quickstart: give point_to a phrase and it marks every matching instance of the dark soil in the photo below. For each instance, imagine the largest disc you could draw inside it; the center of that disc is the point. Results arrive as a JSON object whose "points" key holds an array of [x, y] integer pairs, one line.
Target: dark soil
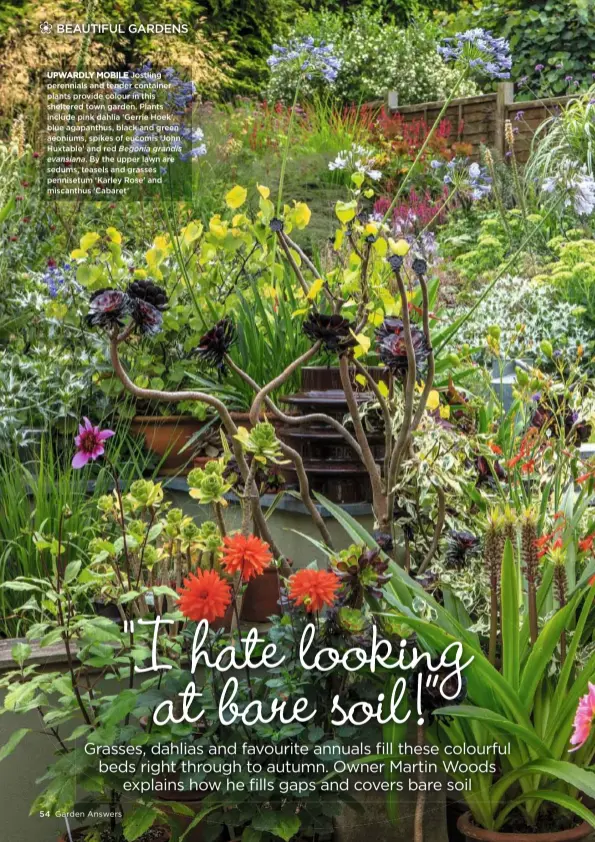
{"points": [[548, 822]]}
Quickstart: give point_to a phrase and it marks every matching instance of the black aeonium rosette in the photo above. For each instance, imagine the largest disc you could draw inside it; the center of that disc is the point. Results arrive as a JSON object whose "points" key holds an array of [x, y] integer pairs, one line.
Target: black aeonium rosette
{"points": [[366, 573], [215, 344], [333, 331], [107, 308], [460, 546], [391, 347], [147, 303]]}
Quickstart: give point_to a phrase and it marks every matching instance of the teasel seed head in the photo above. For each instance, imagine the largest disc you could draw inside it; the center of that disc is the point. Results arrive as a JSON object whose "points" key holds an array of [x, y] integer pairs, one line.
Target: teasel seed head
{"points": [[509, 134]]}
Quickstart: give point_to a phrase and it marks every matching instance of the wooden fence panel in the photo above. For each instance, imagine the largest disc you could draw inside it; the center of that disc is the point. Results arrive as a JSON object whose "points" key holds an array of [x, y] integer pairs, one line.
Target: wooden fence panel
{"points": [[479, 120]]}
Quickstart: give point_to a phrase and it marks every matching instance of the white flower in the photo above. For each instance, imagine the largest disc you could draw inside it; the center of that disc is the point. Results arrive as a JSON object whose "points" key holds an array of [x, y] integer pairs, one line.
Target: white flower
{"points": [[578, 184]]}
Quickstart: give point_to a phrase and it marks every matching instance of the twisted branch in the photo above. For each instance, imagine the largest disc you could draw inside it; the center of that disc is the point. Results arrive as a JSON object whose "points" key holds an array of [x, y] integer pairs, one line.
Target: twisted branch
{"points": [[367, 456], [305, 492], [296, 420], [203, 397], [280, 380]]}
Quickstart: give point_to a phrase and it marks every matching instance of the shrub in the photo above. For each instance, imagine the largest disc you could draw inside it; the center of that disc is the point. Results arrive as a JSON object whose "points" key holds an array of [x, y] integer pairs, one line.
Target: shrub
{"points": [[549, 40], [375, 55], [573, 275]]}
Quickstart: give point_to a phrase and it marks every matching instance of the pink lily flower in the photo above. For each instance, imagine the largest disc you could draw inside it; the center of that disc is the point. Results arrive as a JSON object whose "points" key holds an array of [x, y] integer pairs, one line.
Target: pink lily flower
{"points": [[583, 720], [89, 443]]}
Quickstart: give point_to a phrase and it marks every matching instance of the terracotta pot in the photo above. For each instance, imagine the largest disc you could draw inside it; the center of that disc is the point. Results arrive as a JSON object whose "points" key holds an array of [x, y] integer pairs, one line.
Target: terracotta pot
{"points": [[79, 835], [261, 599], [472, 832], [242, 419], [166, 436]]}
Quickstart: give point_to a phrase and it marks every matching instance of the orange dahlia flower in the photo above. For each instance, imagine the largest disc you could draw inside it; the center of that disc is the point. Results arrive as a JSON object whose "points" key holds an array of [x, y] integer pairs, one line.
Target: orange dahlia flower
{"points": [[313, 588], [205, 596], [247, 555]]}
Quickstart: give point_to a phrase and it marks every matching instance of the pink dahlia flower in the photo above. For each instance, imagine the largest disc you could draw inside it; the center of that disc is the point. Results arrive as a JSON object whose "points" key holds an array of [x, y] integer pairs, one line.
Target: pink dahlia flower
{"points": [[89, 443], [583, 720]]}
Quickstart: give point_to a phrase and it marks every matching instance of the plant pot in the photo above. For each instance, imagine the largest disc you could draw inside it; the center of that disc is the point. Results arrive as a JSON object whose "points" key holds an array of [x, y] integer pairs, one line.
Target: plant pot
{"points": [[78, 835], [242, 419], [166, 436], [261, 599], [472, 832]]}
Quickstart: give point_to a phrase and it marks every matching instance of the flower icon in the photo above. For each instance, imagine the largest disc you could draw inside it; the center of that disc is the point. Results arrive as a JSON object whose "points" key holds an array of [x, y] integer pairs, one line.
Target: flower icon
{"points": [[45, 28]]}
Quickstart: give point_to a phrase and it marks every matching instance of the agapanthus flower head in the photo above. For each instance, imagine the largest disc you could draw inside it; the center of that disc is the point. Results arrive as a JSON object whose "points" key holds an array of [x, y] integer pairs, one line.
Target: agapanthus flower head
{"points": [[576, 183], [583, 720], [391, 347], [479, 50], [147, 303], [247, 555], [313, 589], [89, 443], [311, 58], [470, 179], [460, 545], [215, 344], [357, 159], [333, 331], [205, 596], [107, 308]]}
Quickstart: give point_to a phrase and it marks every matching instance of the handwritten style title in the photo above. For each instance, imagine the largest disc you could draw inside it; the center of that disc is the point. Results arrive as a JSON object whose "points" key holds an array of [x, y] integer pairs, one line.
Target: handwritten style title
{"points": [[445, 675]]}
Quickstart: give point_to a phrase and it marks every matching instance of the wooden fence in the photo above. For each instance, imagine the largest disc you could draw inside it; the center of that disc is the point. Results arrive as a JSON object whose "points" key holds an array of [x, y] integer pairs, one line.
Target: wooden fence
{"points": [[479, 120]]}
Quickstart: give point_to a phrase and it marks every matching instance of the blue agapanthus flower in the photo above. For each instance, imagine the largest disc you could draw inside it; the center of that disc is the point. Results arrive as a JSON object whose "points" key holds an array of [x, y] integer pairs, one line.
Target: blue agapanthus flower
{"points": [[479, 50], [312, 58], [470, 179]]}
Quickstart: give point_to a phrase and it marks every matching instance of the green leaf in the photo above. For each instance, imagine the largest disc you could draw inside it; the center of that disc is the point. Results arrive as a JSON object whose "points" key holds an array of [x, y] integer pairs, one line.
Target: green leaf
{"points": [[540, 658], [138, 821], [559, 770], [287, 826], [20, 652], [72, 571], [251, 835], [497, 722], [198, 818], [119, 708], [15, 739], [560, 798], [510, 618]]}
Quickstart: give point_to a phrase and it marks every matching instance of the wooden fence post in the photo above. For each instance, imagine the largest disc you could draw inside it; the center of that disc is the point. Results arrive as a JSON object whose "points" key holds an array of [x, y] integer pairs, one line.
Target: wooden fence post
{"points": [[504, 97]]}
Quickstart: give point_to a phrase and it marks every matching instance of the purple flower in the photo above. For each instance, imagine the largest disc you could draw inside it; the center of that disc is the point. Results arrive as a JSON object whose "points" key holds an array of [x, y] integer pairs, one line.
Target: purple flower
{"points": [[519, 116], [312, 58], [479, 50], [89, 443], [539, 67]]}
